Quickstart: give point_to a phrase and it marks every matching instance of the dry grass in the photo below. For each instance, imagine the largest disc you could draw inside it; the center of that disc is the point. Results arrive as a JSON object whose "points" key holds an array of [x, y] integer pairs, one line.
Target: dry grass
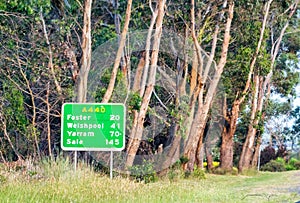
{"points": [[57, 182]]}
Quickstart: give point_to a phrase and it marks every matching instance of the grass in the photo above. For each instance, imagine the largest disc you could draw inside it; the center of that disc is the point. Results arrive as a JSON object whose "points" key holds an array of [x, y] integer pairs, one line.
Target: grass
{"points": [[57, 182]]}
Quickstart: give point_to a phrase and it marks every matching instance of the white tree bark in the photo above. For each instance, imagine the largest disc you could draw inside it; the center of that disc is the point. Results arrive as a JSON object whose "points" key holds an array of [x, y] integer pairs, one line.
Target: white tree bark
{"points": [[86, 47]]}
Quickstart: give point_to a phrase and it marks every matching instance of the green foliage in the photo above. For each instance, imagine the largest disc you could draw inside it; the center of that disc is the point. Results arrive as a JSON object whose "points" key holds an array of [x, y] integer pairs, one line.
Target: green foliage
{"points": [[103, 34], [274, 166], [175, 172], [289, 167], [3, 179], [280, 160], [13, 108], [263, 62], [198, 173], [144, 172], [28, 7], [281, 165], [293, 164], [286, 77], [135, 102]]}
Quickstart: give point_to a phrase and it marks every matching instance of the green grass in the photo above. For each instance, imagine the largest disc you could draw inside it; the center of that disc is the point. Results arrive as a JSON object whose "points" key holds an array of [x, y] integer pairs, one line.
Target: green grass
{"points": [[59, 183]]}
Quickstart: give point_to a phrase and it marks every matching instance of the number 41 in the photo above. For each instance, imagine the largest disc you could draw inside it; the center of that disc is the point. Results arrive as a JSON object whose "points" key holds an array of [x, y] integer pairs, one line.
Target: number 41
{"points": [[114, 125]]}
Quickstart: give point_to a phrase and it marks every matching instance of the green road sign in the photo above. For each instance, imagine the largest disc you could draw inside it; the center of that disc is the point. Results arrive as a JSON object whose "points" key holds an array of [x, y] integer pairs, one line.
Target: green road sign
{"points": [[93, 127]]}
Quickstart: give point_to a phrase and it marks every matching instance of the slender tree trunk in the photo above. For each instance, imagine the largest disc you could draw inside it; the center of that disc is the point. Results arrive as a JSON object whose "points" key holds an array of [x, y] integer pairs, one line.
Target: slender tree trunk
{"points": [[136, 138], [248, 150], [255, 158], [34, 112], [6, 135], [86, 47], [138, 74], [196, 133], [48, 121], [147, 52], [50, 63], [248, 147], [209, 157], [226, 150], [119, 55]]}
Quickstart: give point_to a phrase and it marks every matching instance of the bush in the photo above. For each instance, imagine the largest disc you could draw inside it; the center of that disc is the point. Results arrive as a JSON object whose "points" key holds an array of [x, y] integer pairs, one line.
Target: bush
{"points": [[215, 164], [3, 179], [289, 167], [267, 155], [198, 173], [175, 171], [144, 172], [221, 171], [274, 166], [280, 160], [295, 163]]}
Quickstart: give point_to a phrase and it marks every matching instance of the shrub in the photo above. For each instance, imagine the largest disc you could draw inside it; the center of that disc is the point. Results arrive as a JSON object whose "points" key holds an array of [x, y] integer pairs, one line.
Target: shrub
{"points": [[280, 160], [295, 163], [198, 173], [221, 171], [274, 166], [144, 172], [215, 164], [267, 155], [175, 171], [3, 179], [289, 167]]}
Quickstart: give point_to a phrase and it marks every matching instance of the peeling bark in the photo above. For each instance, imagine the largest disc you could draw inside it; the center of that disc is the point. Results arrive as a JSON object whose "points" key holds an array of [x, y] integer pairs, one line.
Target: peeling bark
{"points": [[86, 47], [119, 55], [226, 159], [197, 129], [137, 136]]}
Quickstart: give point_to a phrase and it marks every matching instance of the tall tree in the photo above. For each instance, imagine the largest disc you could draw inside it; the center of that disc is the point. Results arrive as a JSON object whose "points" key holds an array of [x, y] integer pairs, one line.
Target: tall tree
{"points": [[246, 49], [86, 47], [261, 94], [135, 139], [195, 136]]}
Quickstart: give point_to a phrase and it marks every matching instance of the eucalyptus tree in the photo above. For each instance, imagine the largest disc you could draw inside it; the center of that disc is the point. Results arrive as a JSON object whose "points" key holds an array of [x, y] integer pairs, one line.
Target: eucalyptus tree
{"points": [[37, 63], [262, 79]]}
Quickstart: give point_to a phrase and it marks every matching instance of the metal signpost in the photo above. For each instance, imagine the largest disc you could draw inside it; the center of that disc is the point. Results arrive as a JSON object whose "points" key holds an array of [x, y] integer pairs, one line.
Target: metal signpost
{"points": [[93, 127]]}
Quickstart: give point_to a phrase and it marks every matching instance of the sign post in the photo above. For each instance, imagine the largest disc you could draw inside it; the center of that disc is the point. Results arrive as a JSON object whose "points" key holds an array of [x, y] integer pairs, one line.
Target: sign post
{"points": [[93, 127]]}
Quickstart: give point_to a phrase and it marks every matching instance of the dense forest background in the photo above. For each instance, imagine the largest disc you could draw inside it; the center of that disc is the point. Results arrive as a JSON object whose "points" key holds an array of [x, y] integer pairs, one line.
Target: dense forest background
{"points": [[202, 81]]}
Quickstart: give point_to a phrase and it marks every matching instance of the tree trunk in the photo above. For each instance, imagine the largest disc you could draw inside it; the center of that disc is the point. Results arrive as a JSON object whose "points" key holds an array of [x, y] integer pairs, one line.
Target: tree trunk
{"points": [[247, 152], [138, 74], [209, 157], [226, 150], [119, 55], [248, 149], [200, 153], [136, 138], [86, 47], [196, 133], [255, 158]]}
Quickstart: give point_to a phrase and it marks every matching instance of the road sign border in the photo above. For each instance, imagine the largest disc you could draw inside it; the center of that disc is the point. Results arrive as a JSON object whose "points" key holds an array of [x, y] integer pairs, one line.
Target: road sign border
{"points": [[87, 148]]}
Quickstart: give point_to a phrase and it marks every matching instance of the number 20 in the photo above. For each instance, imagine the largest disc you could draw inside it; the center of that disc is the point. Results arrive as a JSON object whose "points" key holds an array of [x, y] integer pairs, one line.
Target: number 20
{"points": [[114, 117]]}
